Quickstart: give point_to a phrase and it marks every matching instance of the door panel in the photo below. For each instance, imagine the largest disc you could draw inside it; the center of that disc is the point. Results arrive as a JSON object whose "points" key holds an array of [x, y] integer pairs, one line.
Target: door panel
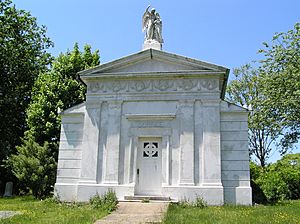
{"points": [[148, 176]]}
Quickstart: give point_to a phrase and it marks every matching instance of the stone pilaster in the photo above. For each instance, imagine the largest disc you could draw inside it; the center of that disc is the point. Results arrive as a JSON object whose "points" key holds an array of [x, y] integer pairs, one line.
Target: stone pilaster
{"points": [[91, 133], [166, 160], [211, 154], [186, 170], [112, 146], [130, 159]]}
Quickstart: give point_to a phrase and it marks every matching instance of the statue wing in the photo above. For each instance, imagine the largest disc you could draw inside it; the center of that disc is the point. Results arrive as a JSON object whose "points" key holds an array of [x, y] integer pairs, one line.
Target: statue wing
{"points": [[145, 19]]}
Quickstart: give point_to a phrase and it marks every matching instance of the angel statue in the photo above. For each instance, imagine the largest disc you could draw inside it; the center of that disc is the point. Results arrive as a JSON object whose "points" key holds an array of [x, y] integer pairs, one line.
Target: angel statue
{"points": [[152, 24]]}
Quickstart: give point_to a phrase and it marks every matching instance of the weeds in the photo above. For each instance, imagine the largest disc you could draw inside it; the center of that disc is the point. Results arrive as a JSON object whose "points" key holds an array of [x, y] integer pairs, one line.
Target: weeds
{"points": [[145, 200], [198, 203], [107, 201]]}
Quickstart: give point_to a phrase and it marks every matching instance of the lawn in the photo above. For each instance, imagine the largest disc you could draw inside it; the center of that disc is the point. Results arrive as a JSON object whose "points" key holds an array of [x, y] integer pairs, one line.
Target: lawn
{"points": [[44, 212], [36, 212], [287, 212]]}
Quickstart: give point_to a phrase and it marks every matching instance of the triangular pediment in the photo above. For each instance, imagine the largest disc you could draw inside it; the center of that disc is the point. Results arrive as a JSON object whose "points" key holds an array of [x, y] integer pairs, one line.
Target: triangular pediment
{"points": [[155, 65], [151, 61]]}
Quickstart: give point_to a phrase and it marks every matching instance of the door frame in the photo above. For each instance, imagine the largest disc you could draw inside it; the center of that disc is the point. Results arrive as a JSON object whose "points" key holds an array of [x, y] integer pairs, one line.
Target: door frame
{"points": [[165, 135]]}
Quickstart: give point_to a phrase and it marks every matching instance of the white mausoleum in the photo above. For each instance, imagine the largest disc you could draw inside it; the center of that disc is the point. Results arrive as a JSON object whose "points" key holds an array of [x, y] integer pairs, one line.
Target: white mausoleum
{"points": [[155, 124]]}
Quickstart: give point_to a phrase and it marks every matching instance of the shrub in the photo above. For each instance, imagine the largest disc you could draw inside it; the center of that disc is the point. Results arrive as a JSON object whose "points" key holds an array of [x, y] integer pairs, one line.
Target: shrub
{"points": [[273, 186], [107, 201], [35, 167], [258, 195], [289, 169], [277, 181]]}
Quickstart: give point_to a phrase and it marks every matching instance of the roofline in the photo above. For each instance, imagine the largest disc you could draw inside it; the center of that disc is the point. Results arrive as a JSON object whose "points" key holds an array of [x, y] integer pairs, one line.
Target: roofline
{"points": [[192, 60], [246, 109], [225, 84], [77, 106], [150, 53], [177, 74]]}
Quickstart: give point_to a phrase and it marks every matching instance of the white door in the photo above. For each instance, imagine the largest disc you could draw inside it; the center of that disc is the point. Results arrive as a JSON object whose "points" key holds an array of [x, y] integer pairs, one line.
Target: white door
{"points": [[148, 173]]}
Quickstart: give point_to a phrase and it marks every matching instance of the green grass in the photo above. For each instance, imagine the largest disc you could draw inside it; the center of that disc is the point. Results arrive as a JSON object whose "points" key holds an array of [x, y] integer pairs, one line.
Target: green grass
{"points": [[44, 212], [287, 212]]}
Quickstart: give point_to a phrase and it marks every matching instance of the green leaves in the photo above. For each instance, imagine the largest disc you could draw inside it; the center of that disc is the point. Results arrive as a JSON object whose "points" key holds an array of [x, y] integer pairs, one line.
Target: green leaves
{"points": [[23, 45], [35, 166], [272, 92], [246, 90], [59, 88], [281, 82], [56, 89], [280, 180], [32, 92]]}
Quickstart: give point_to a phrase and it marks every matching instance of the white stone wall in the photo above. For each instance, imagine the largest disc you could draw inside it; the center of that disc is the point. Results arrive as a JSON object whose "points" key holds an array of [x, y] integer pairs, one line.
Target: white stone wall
{"points": [[70, 149], [235, 155], [69, 156], [156, 95]]}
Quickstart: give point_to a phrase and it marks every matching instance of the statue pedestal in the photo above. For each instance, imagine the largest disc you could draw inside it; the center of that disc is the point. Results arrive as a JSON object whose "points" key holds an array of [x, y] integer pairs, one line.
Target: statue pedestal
{"points": [[152, 44]]}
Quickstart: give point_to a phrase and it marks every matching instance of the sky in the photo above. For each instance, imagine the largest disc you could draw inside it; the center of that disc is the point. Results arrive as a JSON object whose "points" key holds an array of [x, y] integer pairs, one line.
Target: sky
{"points": [[223, 32]]}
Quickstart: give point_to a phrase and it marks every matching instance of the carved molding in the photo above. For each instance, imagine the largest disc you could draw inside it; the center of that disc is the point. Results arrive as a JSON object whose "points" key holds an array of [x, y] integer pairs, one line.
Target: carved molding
{"points": [[147, 117], [162, 85]]}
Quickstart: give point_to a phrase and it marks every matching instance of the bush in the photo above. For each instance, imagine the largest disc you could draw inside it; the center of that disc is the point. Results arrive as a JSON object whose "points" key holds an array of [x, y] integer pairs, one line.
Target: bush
{"points": [[258, 195], [35, 167], [289, 169], [277, 181], [107, 201], [273, 186]]}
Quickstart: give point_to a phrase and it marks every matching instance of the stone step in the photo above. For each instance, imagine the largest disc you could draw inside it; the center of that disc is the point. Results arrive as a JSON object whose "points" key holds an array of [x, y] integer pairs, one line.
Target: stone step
{"points": [[146, 197]]}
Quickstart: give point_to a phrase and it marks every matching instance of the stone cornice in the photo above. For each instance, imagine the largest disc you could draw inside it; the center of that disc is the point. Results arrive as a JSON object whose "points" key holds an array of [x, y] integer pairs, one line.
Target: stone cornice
{"points": [[146, 117], [153, 85], [134, 75]]}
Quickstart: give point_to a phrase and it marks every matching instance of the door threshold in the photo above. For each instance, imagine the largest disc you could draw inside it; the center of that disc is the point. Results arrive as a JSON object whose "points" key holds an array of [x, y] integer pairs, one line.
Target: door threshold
{"points": [[147, 197]]}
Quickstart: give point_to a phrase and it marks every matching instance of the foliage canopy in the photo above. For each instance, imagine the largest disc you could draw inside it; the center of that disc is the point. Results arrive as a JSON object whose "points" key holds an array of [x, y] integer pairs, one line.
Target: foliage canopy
{"points": [[23, 45], [281, 80], [59, 88], [246, 91]]}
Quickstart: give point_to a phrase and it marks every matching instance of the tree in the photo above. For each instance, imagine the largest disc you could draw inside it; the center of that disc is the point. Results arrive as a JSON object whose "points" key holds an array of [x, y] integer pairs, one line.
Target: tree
{"points": [[60, 88], [246, 91], [23, 45], [33, 165], [56, 90], [281, 79]]}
